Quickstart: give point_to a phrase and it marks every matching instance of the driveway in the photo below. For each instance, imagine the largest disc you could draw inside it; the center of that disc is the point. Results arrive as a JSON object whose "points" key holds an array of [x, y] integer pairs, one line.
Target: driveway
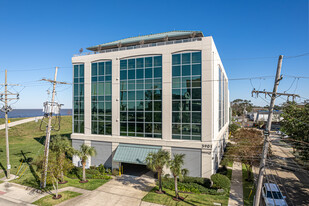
{"points": [[125, 190]]}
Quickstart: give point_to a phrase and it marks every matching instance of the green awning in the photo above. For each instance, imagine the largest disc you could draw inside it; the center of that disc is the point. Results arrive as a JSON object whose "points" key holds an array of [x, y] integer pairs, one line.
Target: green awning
{"points": [[135, 154]]}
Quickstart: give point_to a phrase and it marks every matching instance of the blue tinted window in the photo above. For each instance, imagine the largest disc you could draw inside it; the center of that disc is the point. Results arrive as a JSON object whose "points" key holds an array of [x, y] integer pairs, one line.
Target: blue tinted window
{"points": [[196, 57], [176, 59], [185, 58], [158, 61], [123, 64], [186, 95], [131, 74], [141, 97]]}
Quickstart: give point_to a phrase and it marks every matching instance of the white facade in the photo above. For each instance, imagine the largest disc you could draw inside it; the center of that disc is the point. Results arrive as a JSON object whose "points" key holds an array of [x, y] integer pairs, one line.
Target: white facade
{"points": [[213, 140]]}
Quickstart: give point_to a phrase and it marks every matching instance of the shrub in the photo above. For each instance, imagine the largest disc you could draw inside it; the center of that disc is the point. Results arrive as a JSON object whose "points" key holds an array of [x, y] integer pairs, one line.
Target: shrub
{"points": [[205, 182], [222, 170], [189, 186], [220, 181], [101, 169], [77, 173], [115, 172]]}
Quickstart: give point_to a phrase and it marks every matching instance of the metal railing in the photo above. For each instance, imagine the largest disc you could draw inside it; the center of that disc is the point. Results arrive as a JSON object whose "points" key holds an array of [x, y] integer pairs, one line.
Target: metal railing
{"points": [[141, 46]]}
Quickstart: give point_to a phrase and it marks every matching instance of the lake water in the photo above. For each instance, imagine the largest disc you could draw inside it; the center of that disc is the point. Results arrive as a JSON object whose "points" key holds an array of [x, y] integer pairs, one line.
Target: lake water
{"points": [[16, 113]]}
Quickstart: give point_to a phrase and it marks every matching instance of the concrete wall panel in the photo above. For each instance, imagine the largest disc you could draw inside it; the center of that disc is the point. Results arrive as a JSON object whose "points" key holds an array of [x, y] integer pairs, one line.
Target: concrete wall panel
{"points": [[192, 160]]}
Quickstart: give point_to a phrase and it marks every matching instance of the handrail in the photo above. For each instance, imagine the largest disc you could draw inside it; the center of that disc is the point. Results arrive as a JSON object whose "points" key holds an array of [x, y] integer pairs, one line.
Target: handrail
{"points": [[140, 46]]}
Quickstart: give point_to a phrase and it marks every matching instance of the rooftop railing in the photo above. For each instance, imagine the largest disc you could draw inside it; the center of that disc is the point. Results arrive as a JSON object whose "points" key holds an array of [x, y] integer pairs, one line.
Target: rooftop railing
{"points": [[141, 46]]}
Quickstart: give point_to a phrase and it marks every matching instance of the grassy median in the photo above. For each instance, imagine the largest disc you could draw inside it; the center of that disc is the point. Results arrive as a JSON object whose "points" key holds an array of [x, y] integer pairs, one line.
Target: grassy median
{"points": [[49, 201]]}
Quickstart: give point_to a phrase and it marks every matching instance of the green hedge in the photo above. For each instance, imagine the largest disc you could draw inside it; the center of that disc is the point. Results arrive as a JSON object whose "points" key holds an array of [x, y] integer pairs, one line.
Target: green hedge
{"points": [[220, 181], [190, 184], [92, 173]]}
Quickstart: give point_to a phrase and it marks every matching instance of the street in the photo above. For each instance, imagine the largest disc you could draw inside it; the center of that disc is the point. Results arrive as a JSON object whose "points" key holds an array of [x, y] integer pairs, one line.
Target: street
{"points": [[292, 179]]}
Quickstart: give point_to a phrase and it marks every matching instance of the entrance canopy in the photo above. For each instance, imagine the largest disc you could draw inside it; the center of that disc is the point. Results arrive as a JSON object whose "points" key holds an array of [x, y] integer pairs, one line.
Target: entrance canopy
{"points": [[134, 154]]}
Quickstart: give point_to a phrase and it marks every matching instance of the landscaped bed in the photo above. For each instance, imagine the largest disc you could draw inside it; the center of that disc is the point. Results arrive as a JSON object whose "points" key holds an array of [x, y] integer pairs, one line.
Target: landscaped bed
{"points": [[189, 199], [27, 144], [194, 190], [248, 193], [49, 201]]}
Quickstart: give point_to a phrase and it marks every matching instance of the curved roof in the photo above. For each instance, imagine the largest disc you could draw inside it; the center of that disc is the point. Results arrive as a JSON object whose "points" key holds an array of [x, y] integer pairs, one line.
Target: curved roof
{"points": [[151, 38]]}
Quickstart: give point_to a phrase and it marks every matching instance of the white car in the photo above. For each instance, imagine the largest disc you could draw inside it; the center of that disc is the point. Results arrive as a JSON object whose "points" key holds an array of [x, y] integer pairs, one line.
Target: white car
{"points": [[272, 195]]}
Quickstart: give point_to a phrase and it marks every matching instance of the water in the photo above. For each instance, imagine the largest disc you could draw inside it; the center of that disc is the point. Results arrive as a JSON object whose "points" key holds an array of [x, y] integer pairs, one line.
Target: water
{"points": [[17, 113]]}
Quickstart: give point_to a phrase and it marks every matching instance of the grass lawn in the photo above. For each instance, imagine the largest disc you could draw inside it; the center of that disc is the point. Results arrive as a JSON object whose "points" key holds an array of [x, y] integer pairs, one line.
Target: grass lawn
{"points": [[26, 143], [247, 187], [190, 199], [48, 200], [92, 184], [2, 120]]}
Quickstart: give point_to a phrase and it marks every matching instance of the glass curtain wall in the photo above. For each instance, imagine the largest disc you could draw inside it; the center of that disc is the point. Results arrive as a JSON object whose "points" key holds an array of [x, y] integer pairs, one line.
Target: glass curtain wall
{"points": [[78, 101], [101, 96], [186, 94], [141, 97]]}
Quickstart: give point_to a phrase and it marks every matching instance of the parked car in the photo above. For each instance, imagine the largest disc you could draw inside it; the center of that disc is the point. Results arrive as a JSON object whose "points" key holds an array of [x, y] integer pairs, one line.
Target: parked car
{"points": [[272, 195]]}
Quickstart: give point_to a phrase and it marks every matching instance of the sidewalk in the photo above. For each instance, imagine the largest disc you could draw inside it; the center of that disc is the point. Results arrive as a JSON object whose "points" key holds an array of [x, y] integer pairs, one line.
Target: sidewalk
{"points": [[12, 124], [236, 192]]}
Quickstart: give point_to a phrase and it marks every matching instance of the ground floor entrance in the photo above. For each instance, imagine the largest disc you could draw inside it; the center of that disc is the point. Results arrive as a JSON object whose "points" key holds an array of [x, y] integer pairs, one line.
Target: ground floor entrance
{"points": [[136, 170]]}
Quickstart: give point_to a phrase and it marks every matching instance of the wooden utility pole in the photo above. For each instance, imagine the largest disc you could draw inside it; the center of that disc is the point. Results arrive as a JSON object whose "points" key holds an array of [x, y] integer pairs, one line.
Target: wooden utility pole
{"points": [[48, 129], [7, 109], [266, 134], [51, 109]]}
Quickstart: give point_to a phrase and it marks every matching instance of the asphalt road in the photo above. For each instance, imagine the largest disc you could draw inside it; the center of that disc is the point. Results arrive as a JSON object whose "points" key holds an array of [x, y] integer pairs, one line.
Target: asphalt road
{"points": [[284, 171]]}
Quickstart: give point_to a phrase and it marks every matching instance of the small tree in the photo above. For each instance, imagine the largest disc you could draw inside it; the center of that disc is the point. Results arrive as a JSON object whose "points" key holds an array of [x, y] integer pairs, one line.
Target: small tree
{"points": [[175, 167], [247, 146], [53, 170], [61, 146], [156, 162], [84, 152]]}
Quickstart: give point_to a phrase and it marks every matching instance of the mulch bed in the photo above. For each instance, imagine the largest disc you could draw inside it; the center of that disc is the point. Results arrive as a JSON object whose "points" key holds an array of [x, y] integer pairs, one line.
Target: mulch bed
{"points": [[179, 198], [56, 198], [64, 182], [158, 192]]}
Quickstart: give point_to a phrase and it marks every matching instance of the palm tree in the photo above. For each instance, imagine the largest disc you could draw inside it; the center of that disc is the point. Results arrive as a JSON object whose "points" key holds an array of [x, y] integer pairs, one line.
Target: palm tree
{"points": [[61, 146], [175, 167], [156, 163], [84, 152]]}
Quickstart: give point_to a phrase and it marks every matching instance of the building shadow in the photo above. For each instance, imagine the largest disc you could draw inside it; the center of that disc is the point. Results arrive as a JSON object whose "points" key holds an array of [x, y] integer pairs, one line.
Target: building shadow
{"points": [[28, 161]]}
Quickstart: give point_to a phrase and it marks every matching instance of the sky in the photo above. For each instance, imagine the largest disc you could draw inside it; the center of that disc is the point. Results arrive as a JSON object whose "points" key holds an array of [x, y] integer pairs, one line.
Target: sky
{"points": [[37, 36]]}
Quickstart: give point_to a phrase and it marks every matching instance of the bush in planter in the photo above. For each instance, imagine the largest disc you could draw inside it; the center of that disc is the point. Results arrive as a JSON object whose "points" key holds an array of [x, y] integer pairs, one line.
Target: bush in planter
{"points": [[220, 181]]}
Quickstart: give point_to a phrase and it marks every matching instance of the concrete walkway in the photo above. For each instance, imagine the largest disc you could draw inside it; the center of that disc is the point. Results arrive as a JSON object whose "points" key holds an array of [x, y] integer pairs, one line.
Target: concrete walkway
{"points": [[12, 124], [15, 194], [236, 192], [125, 190]]}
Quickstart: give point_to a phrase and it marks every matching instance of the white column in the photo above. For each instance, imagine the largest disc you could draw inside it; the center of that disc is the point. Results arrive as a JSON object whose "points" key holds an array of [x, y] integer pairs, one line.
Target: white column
{"points": [[207, 91], [115, 96], [206, 163], [87, 97], [166, 96]]}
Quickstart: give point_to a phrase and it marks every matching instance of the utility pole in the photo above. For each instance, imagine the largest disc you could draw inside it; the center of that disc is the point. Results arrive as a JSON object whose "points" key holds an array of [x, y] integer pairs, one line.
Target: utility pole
{"points": [[7, 109], [50, 108], [274, 95]]}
